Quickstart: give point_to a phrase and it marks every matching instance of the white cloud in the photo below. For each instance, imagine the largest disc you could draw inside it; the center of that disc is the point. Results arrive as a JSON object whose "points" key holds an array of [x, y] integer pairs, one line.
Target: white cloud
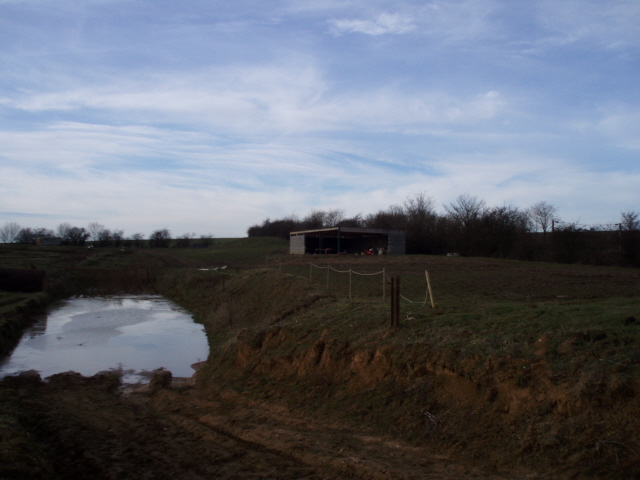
{"points": [[225, 190], [608, 24], [265, 100], [623, 126], [383, 24], [204, 114]]}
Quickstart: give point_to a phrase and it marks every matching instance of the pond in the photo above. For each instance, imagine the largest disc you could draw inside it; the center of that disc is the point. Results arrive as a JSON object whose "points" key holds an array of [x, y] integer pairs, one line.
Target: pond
{"points": [[132, 334]]}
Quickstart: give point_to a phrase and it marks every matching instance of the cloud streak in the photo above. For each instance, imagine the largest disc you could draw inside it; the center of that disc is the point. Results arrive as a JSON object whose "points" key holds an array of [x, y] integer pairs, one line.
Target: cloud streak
{"points": [[209, 117], [383, 24]]}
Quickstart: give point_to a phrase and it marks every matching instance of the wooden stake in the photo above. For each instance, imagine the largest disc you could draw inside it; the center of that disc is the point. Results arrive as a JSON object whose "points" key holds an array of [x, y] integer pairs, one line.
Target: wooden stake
{"points": [[384, 287], [395, 301], [429, 287]]}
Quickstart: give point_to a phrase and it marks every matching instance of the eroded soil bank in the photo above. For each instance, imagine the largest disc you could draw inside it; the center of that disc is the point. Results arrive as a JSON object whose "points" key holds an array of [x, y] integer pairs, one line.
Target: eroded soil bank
{"points": [[304, 383], [544, 412]]}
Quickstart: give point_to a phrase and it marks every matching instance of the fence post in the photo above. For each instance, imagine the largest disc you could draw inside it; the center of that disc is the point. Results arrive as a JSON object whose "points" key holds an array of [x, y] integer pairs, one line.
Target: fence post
{"points": [[328, 270], [395, 301], [384, 286], [429, 287]]}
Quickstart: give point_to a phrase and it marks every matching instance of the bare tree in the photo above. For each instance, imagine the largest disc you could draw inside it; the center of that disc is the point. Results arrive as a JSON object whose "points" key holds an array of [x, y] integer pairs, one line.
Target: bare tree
{"points": [[184, 241], [276, 228], [117, 236], [629, 237], [25, 236], [422, 221], [630, 221], [207, 239], [543, 215], [160, 238], [63, 230], [393, 218], [28, 235], [75, 236], [104, 239], [465, 210], [9, 232], [137, 239], [500, 231], [333, 218], [95, 230], [315, 219], [356, 221], [420, 205]]}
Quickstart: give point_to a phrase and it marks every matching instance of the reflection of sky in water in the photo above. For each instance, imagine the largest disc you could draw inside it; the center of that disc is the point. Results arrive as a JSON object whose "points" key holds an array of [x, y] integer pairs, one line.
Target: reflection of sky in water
{"points": [[89, 335]]}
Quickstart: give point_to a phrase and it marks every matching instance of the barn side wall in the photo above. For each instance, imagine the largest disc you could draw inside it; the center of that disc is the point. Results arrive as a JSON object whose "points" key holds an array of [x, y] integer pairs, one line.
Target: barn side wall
{"points": [[297, 245], [397, 244]]}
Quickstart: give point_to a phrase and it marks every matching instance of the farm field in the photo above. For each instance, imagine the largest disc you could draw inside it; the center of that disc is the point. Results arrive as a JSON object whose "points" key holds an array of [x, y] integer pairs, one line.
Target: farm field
{"points": [[518, 370]]}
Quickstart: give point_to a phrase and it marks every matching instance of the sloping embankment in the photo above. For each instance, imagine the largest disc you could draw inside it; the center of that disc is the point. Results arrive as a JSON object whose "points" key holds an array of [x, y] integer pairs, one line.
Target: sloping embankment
{"points": [[17, 311], [275, 339]]}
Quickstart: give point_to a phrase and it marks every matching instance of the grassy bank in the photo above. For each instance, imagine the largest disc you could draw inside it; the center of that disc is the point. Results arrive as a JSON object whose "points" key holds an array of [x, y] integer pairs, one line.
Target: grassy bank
{"points": [[518, 363]]}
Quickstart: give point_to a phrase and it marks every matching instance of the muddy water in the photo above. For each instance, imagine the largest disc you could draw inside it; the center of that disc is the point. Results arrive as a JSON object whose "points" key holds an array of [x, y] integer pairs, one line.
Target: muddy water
{"points": [[134, 334]]}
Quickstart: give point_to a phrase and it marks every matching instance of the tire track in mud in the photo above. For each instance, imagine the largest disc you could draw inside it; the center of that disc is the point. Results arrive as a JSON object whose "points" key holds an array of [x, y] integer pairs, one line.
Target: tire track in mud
{"points": [[79, 428], [331, 451]]}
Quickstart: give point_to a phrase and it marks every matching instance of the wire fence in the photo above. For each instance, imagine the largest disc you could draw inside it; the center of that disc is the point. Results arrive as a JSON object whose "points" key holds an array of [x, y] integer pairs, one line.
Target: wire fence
{"points": [[357, 284]]}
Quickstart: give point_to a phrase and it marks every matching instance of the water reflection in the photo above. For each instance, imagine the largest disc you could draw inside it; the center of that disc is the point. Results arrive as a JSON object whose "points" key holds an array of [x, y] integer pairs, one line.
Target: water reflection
{"points": [[38, 328], [130, 333]]}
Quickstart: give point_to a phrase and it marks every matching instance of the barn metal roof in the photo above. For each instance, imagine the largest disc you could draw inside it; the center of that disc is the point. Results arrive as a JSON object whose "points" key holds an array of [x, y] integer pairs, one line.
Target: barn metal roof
{"points": [[351, 231]]}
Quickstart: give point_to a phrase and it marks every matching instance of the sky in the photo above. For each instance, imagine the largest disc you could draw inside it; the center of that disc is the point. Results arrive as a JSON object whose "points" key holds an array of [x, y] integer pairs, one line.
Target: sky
{"points": [[208, 117]]}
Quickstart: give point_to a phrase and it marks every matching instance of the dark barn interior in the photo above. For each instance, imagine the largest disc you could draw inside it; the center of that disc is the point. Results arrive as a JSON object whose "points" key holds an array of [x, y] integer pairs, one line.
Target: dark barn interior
{"points": [[351, 241]]}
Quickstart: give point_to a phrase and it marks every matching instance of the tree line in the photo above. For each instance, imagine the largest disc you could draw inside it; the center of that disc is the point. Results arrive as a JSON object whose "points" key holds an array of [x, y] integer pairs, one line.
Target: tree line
{"points": [[98, 235], [470, 227]]}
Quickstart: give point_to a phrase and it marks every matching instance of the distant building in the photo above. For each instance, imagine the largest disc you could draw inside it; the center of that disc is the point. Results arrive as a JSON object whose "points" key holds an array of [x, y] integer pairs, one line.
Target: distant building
{"points": [[348, 240], [49, 242]]}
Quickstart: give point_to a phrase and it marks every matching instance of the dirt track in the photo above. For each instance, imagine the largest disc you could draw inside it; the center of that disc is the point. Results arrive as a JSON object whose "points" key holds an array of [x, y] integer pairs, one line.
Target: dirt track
{"points": [[84, 428]]}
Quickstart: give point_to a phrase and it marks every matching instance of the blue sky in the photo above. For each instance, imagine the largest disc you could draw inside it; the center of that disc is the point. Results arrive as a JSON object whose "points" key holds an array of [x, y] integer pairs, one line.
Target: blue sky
{"points": [[210, 116]]}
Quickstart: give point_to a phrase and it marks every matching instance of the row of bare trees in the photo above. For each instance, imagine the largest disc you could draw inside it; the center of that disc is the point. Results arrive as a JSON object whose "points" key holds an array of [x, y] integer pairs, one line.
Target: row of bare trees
{"points": [[97, 235], [470, 227]]}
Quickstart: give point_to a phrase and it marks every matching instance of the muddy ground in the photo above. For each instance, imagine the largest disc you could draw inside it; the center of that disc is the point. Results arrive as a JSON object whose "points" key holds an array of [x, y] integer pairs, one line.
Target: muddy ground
{"points": [[76, 428], [296, 388]]}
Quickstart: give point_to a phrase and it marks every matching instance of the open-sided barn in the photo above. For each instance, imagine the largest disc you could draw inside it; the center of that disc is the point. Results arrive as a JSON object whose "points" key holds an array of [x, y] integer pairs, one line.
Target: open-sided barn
{"points": [[348, 240]]}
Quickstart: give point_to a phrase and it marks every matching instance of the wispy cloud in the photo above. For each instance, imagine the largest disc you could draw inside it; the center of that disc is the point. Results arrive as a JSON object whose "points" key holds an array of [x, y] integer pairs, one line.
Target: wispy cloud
{"points": [[623, 127], [211, 117], [264, 100], [608, 25], [383, 24]]}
